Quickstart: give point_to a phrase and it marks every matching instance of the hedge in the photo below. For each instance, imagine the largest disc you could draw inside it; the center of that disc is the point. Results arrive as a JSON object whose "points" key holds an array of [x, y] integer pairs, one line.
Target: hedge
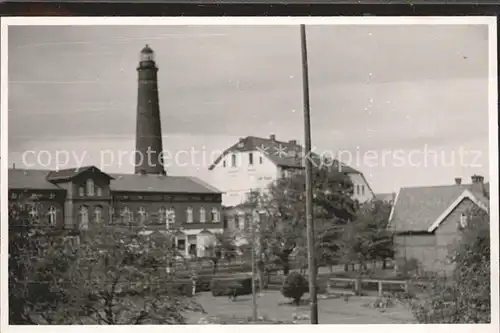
{"points": [[231, 286]]}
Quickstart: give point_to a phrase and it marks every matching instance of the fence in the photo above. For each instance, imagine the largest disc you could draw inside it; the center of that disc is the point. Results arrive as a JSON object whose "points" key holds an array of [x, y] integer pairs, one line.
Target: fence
{"points": [[357, 284]]}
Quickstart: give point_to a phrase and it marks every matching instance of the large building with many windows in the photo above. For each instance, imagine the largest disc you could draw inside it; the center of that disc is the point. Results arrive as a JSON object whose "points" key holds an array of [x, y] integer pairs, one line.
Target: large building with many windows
{"points": [[75, 199]]}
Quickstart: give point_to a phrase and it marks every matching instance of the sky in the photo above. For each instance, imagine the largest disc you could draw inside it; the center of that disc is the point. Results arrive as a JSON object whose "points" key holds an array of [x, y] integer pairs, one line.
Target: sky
{"points": [[413, 98]]}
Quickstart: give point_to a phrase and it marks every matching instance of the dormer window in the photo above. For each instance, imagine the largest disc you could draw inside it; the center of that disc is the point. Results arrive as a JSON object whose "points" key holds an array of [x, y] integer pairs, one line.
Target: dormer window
{"points": [[98, 191], [463, 221], [81, 191], [233, 160], [90, 188]]}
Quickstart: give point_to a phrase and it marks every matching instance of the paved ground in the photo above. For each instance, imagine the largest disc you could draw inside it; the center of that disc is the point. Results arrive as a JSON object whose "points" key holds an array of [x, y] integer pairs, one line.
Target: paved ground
{"points": [[331, 311]]}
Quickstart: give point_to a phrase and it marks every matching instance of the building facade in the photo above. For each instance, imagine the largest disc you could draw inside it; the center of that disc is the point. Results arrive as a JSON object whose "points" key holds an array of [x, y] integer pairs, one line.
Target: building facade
{"points": [[77, 199], [253, 163]]}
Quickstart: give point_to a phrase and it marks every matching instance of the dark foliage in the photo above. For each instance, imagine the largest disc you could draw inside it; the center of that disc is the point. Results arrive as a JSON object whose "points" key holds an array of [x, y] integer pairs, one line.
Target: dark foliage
{"points": [[294, 287]]}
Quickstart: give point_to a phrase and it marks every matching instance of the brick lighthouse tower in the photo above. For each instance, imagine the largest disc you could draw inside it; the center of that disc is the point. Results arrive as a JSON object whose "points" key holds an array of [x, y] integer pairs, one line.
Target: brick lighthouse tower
{"points": [[148, 141]]}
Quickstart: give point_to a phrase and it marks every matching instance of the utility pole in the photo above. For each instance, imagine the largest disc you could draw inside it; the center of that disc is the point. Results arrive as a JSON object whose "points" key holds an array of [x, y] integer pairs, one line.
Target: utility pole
{"points": [[309, 191]]}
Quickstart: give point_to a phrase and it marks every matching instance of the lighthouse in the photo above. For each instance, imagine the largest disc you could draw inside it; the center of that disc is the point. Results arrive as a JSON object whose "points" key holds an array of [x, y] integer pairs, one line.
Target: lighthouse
{"points": [[148, 141]]}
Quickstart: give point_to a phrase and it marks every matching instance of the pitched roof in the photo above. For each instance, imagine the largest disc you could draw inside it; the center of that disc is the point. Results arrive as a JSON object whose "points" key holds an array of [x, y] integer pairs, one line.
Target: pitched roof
{"points": [[30, 179], [38, 180], [285, 154], [416, 209], [160, 184], [67, 174]]}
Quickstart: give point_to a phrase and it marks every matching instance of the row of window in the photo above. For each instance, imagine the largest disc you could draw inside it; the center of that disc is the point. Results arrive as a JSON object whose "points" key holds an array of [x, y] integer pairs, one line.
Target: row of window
{"points": [[166, 216], [233, 160], [90, 189], [51, 214]]}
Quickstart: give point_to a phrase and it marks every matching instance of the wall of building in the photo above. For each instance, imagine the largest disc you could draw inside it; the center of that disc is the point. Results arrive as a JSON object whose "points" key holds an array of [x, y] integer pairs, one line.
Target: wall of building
{"points": [[236, 181], [432, 250], [43, 200], [361, 189]]}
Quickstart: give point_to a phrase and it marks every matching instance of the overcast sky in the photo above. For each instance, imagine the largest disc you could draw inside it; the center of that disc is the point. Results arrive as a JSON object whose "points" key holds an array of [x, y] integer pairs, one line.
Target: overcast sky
{"points": [[384, 89]]}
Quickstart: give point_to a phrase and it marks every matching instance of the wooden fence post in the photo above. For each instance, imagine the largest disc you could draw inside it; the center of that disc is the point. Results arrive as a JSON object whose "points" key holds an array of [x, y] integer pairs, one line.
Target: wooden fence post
{"points": [[380, 288]]}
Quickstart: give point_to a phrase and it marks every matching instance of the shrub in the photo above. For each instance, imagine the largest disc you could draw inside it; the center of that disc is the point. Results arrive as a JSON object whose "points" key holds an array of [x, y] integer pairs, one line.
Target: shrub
{"points": [[231, 286], [294, 286], [463, 297]]}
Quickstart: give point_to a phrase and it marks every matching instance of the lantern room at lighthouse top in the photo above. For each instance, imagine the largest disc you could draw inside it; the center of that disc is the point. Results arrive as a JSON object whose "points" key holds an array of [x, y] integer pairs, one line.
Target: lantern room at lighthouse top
{"points": [[147, 54]]}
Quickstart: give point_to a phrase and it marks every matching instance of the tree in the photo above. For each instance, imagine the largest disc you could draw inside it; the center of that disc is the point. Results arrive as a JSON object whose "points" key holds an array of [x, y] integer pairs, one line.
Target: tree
{"points": [[464, 297], [284, 226], [39, 268], [222, 247], [367, 238], [121, 277], [294, 287]]}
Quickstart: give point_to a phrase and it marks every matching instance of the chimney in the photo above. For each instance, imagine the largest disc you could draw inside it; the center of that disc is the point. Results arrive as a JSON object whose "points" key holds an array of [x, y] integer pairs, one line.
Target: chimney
{"points": [[293, 142], [458, 181], [272, 137], [477, 179]]}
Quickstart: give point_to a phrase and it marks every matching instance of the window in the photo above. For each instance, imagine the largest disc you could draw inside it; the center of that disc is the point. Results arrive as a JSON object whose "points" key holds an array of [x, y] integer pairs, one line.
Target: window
{"points": [[142, 215], [81, 191], [126, 215], [250, 158], [72, 242], [170, 217], [463, 221], [224, 163], [203, 216], [362, 189], [215, 215], [162, 215], [233, 160], [98, 191], [33, 212], [260, 159], [90, 187], [189, 215], [111, 214], [83, 218], [98, 214], [241, 222], [52, 196], [357, 189], [192, 250], [52, 214], [181, 244]]}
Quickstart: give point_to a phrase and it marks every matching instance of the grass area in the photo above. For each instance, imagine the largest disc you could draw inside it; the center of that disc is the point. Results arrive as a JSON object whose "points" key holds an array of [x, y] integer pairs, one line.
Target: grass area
{"points": [[273, 306]]}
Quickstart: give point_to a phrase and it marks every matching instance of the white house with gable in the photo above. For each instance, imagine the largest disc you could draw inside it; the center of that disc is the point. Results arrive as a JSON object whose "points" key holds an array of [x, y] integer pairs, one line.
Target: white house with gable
{"points": [[253, 163]]}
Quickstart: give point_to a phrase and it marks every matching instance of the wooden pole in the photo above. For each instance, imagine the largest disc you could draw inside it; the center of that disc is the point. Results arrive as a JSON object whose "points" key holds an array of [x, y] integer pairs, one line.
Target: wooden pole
{"points": [[309, 190]]}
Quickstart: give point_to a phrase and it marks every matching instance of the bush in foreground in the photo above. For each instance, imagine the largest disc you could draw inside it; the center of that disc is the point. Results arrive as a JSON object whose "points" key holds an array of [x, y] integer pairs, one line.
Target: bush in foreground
{"points": [[294, 287], [463, 297]]}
